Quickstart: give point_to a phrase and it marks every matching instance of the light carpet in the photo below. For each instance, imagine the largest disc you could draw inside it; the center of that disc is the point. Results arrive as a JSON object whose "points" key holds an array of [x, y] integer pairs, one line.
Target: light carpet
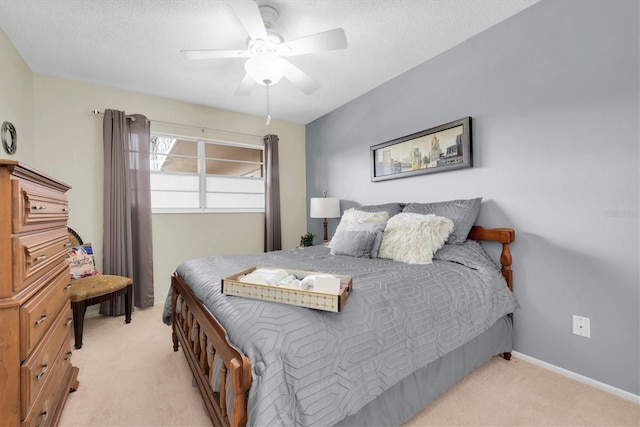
{"points": [[130, 376]]}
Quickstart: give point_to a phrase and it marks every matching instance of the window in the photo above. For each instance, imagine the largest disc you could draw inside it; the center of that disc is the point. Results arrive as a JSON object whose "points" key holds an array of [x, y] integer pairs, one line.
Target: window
{"points": [[189, 175]]}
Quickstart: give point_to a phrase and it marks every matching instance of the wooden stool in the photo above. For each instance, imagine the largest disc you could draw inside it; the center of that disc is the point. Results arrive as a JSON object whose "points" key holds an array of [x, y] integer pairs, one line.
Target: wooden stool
{"points": [[94, 290]]}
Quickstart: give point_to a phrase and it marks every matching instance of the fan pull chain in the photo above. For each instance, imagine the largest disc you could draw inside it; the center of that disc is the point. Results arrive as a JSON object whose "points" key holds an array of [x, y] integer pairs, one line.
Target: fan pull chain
{"points": [[268, 121]]}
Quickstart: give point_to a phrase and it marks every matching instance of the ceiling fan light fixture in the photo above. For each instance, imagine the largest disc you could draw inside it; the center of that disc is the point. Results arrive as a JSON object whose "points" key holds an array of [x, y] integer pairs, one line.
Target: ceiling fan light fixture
{"points": [[265, 68], [267, 51]]}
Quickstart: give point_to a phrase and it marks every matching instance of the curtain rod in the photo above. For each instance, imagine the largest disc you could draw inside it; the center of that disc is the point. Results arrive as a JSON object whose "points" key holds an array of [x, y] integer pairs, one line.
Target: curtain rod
{"points": [[96, 112], [202, 128]]}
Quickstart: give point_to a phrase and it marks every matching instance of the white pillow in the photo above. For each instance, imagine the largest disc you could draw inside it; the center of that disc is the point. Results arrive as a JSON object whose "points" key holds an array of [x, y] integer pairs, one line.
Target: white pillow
{"points": [[352, 218], [414, 238]]}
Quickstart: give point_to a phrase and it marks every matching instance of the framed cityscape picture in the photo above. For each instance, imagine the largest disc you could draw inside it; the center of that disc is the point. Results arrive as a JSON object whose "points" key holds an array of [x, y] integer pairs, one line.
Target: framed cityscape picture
{"points": [[442, 148]]}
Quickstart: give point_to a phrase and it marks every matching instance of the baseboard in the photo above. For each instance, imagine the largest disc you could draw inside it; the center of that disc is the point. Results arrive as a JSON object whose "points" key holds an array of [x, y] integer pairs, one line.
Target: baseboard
{"points": [[581, 378]]}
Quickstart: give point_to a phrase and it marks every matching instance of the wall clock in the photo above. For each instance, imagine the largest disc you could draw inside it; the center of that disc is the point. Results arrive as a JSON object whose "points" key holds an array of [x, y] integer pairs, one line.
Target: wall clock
{"points": [[10, 142]]}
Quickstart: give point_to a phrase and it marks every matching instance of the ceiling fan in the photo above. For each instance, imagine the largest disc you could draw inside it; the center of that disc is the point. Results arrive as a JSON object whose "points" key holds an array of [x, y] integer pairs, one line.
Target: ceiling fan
{"points": [[266, 51]]}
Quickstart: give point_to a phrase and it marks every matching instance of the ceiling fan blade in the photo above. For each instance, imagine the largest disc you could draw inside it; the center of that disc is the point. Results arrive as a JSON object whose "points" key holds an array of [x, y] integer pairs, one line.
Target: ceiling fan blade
{"points": [[298, 77], [215, 54], [329, 40], [246, 86], [249, 15]]}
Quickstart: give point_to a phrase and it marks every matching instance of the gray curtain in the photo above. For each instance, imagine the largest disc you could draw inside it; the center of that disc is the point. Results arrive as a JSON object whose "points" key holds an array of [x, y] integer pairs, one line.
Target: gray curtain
{"points": [[272, 231], [127, 207]]}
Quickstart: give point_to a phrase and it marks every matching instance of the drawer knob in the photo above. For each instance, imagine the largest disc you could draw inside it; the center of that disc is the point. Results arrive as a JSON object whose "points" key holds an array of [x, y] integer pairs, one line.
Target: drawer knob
{"points": [[39, 207], [68, 356], [43, 417], [66, 210], [68, 244], [69, 320], [42, 371], [42, 319], [41, 258], [67, 287]]}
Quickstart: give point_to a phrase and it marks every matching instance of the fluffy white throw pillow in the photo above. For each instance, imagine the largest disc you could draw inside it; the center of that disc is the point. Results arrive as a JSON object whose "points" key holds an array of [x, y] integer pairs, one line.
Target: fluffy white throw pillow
{"points": [[414, 238], [351, 218]]}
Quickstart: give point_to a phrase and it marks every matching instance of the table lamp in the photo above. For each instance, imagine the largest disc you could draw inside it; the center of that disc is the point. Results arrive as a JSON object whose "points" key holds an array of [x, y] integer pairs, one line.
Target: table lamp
{"points": [[325, 207]]}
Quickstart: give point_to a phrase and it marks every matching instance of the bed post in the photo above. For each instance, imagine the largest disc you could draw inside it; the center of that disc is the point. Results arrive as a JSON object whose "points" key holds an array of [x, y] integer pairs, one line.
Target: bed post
{"points": [[239, 415], [504, 236], [174, 303]]}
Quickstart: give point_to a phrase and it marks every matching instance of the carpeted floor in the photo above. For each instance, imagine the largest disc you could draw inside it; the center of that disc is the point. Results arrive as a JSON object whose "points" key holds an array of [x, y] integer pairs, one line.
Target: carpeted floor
{"points": [[130, 376]]}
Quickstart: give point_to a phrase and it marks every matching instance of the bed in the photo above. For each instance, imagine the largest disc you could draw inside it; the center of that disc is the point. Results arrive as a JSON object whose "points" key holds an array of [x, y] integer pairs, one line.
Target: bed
{"points": [[407, 333]]}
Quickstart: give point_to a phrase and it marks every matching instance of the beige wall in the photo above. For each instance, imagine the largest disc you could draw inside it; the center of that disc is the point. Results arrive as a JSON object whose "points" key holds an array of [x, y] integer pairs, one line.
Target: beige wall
{"points": [[69, 147], [16, 99], [59, 135]]}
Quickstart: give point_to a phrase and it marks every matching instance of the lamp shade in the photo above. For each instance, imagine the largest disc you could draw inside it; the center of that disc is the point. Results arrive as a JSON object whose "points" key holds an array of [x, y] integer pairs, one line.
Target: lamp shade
{"points": [[325, 207]]}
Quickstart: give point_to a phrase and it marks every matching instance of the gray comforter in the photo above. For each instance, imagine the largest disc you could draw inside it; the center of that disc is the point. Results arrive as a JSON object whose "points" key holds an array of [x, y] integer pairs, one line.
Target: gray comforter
{"points": [[313, 367]]}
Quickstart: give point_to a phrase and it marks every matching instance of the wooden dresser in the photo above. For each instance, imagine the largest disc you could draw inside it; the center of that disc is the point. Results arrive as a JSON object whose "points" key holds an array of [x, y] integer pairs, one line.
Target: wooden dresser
{"points": [[36, 374]]}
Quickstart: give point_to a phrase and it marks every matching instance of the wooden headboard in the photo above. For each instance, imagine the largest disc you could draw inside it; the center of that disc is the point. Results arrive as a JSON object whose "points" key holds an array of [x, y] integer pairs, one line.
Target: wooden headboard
{"points": [[504, 236]]}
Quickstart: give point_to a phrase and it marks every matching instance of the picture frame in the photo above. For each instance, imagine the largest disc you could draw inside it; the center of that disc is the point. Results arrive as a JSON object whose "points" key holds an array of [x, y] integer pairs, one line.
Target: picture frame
{"points": [[438, 149]]}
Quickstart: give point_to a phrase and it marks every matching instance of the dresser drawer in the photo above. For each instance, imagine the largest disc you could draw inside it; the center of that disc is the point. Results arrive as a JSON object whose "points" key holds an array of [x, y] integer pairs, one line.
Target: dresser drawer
{"points": [[37, 314], [37, 370], [36, 207], [46, 408], [36, 254]]}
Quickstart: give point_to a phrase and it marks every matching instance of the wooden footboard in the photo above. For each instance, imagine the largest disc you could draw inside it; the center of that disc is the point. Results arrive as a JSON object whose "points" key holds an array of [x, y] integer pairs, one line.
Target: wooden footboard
{"points": [[193, 319]]}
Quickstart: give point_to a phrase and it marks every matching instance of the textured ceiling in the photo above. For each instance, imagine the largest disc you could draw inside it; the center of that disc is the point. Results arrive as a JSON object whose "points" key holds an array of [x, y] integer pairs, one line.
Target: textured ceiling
{"points": [[135, 45]]}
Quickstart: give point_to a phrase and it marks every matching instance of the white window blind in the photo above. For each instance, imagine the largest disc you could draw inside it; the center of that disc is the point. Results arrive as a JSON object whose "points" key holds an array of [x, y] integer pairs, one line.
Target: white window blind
{"points": [[209, 176]]}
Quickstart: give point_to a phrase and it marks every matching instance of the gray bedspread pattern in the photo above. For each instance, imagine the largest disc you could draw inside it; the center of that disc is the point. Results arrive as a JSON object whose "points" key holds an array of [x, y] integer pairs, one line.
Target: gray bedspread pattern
{"points": [[315, 368]]}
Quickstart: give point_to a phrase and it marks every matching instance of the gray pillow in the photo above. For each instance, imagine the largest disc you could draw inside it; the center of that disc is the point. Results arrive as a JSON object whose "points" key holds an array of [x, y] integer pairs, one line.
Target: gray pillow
{"points": [[376, 227], [357, 244], [463, 213], [390, 208]]}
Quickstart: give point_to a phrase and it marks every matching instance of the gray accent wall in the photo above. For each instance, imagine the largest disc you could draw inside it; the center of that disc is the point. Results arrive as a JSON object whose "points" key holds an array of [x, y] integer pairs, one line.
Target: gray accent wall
{"points": [[553, 96]]}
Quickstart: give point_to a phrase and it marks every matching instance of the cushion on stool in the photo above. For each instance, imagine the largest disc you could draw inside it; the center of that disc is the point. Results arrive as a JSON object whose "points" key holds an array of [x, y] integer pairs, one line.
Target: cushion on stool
{"points": [[94, 286]]}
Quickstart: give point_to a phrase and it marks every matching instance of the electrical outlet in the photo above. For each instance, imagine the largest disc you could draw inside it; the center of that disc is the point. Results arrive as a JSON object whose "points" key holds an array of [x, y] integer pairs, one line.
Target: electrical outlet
{"points": [[582, 326]]}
